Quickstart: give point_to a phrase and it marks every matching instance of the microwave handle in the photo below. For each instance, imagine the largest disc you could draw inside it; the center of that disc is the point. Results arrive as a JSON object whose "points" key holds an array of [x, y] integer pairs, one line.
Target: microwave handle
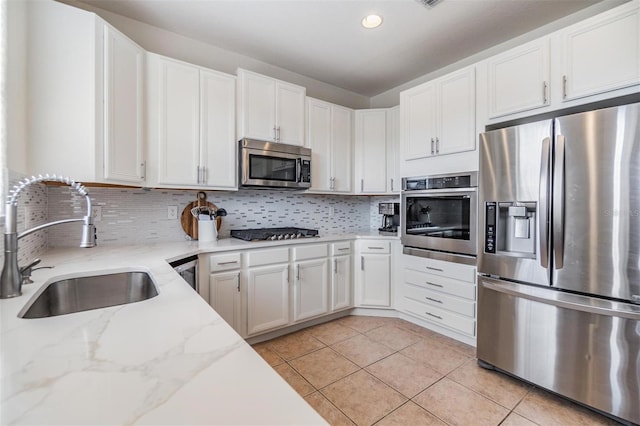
{"points": [[298, 170]]}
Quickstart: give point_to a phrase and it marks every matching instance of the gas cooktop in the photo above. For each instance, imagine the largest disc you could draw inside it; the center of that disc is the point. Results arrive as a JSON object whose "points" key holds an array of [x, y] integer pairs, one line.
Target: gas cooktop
{"points": [[273, 234]]}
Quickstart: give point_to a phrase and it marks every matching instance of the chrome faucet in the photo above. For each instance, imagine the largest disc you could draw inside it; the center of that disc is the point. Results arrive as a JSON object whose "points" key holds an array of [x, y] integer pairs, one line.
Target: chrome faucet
{"points": [[11, 279]]}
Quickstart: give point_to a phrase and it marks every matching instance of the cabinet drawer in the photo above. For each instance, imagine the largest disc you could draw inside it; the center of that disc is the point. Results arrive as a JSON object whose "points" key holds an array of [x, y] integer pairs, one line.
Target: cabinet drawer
{"points": [[380, 247], [440, 300], [224, 262], [310, 251], [440, 316], [441, 284], [341, 248], [456, 271], [267, 257]]}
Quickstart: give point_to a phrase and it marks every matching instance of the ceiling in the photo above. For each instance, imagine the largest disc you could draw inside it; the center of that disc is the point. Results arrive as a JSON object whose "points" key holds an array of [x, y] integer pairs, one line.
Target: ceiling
{"points": [[323, 39]]}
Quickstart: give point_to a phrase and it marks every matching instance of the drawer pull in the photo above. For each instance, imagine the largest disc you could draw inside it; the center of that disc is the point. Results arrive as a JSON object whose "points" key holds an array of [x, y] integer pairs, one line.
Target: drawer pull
{"points": [[228, 263], [433, 300], [433, 284], [375, 248], [434, 269], [434, 315], [343, 249]]}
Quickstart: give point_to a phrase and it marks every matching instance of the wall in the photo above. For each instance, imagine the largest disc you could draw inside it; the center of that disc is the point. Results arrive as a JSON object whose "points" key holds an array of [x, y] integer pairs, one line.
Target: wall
{"points": [[392, 97], [136, 216], [170, 44]]}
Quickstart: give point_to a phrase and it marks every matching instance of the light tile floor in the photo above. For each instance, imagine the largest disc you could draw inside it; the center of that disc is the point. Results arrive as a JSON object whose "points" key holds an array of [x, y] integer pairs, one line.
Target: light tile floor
{"points": [[386, 371]]}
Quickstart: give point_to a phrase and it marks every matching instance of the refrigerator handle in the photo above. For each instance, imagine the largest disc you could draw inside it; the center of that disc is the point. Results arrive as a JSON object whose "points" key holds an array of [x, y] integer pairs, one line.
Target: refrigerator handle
{"points": [[558, 203], [543, 203]]}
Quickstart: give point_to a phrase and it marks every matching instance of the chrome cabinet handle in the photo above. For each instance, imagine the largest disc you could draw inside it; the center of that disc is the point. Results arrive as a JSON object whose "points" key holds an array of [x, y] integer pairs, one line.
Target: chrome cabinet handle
{"points": [[228, 263], [434, 269], [343, 249], [198, 173], [564, 87], [298, 272], [437, 146], [433, 315], [434, 284], [361, 185], [432, 149], [143, 170], [433, 300], [278, 134], [238, 284], [375, 248], [362, 263], [391, 184], [544, 92], [275, 134], [335, 266]]}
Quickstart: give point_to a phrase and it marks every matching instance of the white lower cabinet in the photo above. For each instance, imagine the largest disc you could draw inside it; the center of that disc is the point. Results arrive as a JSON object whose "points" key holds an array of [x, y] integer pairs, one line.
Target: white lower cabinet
{"points": [[223, 290], [443, 293], [341, 281], [373, 274], [224, 297], [267, 276], [311, 281]]}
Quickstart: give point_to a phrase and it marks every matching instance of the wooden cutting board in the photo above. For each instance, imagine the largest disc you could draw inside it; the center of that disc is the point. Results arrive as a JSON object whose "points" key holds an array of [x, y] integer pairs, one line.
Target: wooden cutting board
{"points": [[190, 223]]}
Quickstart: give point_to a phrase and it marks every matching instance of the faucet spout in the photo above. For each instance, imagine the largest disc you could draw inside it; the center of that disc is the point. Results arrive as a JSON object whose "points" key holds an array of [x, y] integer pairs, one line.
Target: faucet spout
{"points": [[11, 279]]}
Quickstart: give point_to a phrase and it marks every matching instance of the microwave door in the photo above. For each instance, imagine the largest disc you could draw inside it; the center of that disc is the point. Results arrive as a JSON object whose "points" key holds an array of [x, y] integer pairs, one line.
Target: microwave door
{"points": [[514, 203]]}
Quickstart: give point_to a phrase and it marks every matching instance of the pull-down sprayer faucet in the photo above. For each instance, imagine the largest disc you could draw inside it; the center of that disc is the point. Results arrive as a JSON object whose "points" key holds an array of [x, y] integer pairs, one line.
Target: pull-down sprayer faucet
{"points": [[11, 279]]}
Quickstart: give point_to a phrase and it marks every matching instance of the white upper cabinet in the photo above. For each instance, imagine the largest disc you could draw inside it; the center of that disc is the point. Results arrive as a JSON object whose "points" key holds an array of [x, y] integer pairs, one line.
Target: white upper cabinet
{"points": [[329, 135], [438, 117], [85, 90], [370, 151], [519, 79], [191, 126], [393, 150], [602, 53], [123, 112], [270, 109]]}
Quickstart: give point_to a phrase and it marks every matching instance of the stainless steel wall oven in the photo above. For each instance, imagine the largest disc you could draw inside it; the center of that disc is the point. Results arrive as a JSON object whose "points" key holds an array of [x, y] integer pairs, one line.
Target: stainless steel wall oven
{"points": [[439, 213]]}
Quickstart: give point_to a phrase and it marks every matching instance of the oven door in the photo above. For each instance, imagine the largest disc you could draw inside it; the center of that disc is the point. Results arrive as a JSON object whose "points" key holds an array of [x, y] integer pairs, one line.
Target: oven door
{"points": [[274, 169], [440, 219]]}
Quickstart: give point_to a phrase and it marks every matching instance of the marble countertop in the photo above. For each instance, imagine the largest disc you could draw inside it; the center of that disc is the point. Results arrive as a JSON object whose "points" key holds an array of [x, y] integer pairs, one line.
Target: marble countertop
{"points": [[167, 360]]}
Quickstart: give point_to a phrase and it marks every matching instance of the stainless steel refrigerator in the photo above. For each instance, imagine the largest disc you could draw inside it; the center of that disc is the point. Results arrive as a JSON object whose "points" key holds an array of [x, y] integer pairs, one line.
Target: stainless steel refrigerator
{"points": [[559, 256]]}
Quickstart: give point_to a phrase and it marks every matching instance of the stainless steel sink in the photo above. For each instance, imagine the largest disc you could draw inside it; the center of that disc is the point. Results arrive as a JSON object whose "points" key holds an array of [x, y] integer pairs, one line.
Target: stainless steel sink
{"points": [[89, 292]]}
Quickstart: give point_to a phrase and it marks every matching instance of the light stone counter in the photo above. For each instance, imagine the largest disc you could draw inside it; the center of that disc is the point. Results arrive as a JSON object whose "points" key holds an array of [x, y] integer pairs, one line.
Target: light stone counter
{"points": [[167, 360]]}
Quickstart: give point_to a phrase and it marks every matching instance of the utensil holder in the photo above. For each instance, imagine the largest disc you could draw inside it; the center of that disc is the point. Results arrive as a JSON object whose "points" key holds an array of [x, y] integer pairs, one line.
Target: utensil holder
{"points": [[207, 231]]}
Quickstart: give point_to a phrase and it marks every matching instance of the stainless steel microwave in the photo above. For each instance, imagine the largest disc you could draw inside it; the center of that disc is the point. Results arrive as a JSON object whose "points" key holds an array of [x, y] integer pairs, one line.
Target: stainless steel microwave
{"points": [[274, 165]]}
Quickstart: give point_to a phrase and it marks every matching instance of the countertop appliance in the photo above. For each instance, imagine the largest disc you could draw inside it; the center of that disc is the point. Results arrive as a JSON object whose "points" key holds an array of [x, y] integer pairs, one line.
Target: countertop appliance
{"points": [[188, 270], [559, 256], [390, 218], [438, 217], [273, 165], [262, 234]]}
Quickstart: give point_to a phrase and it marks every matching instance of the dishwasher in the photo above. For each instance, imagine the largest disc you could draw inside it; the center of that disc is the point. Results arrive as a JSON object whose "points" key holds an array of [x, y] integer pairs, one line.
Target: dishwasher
{"points": [[188, 270]]}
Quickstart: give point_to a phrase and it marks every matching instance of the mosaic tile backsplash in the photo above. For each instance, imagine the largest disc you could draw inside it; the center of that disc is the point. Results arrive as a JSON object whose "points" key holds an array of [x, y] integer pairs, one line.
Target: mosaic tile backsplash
{"points": [[135, 216]]}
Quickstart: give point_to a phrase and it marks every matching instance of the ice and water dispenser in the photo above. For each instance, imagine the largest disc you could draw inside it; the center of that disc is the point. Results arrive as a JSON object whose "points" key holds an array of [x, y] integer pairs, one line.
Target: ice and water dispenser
{"points": [[510, 228]]}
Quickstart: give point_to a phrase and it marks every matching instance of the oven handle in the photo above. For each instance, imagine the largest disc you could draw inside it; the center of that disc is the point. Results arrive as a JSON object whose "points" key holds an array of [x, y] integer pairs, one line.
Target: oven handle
{"points": [[455, 191]]}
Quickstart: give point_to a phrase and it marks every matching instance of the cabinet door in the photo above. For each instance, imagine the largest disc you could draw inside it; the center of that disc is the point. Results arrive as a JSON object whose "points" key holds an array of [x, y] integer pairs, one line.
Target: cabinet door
{"points": [[456, 113], [257, 106], [311, 289], [418, 122], [393, 150], [375, 284], [179, 122], [602, 53], [217, 129], [341, 283], [370, 147], [341, 148], [123, 141], [519, 79], [290, 113], [224, 297], [267, 298], [319, 140]]}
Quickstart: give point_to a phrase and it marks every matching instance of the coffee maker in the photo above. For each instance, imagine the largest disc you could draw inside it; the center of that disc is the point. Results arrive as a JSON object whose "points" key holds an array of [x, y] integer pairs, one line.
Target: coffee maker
{"points": [[390, 217]]}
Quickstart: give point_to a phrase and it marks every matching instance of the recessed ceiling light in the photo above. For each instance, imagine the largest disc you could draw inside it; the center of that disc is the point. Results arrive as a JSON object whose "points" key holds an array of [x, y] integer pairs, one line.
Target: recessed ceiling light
{"points": [[371, 21]]}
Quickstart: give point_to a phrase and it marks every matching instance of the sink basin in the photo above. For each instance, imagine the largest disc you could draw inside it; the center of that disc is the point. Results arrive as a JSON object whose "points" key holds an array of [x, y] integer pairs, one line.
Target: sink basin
{"points": [[89, 292]]}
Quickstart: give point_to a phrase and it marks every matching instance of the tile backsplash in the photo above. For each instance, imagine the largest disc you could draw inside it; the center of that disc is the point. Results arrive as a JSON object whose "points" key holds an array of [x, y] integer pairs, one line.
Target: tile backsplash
{"points": [[134, 216]]}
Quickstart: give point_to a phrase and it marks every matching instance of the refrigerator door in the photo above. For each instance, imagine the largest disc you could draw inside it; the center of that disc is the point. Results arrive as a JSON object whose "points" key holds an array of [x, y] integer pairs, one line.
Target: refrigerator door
{"points": [[514, 181], [596, 203], [581, 347]]}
